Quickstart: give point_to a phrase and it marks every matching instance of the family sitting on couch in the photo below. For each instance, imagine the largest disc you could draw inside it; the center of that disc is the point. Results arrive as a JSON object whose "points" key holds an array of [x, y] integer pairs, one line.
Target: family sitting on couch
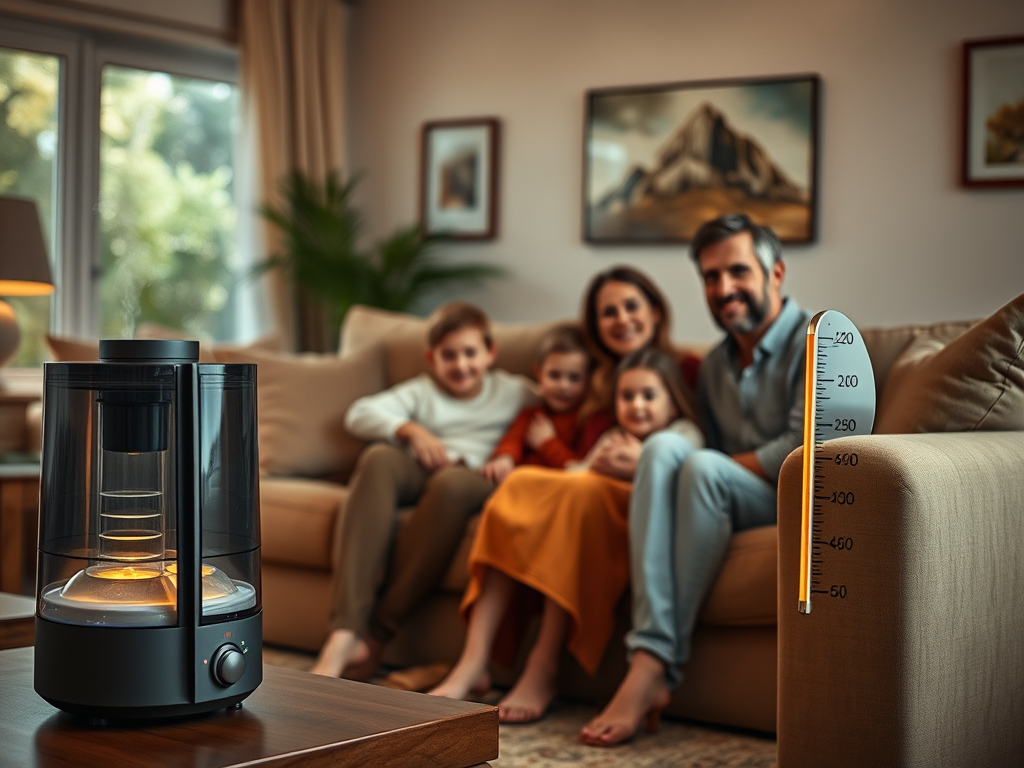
{"points": [[634, 469]]}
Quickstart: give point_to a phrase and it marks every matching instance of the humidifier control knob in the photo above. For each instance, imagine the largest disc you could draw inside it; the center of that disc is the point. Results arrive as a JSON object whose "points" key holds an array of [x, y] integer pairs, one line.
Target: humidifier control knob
{"points": [[228, 664]]}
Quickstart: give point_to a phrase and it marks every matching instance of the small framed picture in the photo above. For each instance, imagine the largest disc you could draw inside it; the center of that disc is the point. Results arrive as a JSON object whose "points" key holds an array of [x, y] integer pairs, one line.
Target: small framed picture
{"points": [[459, 184], [660, 160], [993, 114]]}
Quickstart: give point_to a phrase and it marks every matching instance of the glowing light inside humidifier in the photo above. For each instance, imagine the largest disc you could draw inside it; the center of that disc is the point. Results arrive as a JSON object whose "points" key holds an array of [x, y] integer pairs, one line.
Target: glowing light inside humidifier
{"points": [[139, 586], [139, 595]]}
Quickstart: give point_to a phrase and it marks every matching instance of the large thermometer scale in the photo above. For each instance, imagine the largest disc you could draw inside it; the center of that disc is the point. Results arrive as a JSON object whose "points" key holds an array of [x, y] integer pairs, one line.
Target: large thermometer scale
{"points": [[839, 401]]}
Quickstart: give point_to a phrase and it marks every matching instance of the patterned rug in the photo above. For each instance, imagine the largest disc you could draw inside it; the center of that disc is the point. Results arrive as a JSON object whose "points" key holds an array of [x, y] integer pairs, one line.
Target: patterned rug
{"points": [[553, 742]]}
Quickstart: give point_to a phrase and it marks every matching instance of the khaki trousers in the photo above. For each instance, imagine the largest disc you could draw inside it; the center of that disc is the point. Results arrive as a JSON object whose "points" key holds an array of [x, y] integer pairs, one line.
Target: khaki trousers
{"points": [[383, 572]]}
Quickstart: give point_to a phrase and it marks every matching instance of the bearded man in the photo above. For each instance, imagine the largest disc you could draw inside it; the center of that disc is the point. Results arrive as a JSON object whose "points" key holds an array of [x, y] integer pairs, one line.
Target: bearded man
{"points": [[687, 502]]}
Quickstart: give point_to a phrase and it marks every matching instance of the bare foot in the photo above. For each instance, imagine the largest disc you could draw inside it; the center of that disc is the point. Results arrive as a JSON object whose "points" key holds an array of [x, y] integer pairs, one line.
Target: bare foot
{"points": [[342, 649], [463, 681], [529, 698], [366, 661], [419, 679], [643, 693]]}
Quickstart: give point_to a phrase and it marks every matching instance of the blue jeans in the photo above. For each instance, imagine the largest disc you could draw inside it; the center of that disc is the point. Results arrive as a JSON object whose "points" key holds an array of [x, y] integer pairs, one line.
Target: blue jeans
{"points": [[685, 505]]}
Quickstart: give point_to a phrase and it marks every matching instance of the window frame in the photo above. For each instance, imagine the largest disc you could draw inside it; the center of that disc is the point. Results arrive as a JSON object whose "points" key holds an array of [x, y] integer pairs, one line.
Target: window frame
{"points": [[75, 311]]}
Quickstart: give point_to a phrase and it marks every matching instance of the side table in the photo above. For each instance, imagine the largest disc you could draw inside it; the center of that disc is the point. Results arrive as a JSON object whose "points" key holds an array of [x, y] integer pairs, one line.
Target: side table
{"points": [[17, 621], [19, 516], [14, 404]]}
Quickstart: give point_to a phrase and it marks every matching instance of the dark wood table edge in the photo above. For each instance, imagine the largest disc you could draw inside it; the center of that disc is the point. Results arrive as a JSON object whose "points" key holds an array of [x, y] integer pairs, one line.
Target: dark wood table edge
{"points": [[463, 737]]}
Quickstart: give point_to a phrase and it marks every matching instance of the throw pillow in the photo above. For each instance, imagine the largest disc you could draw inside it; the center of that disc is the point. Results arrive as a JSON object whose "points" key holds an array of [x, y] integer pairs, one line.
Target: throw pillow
{"points": [[403, 339], [975, 381], [301, 402], [66, 349], [272, 342]]}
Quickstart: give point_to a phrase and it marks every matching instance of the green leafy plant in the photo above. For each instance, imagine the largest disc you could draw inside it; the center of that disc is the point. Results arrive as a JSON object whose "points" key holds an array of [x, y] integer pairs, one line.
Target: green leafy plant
{"points": [[322, 253]]}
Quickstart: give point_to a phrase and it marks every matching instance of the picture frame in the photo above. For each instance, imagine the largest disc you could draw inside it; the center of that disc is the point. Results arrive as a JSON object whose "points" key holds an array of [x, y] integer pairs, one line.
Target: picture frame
{"points": [[993, 112], [659, 160], [459, 178]]}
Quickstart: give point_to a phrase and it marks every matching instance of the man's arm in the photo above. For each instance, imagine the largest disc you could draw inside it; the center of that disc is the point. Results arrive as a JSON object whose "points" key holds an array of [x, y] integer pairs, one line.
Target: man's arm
{"points": [[771, 455], [750, 461]]}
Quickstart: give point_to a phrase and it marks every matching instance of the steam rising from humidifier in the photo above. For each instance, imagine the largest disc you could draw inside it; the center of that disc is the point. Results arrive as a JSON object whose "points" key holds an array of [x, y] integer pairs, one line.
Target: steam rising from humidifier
{"points": [[149, 601]]}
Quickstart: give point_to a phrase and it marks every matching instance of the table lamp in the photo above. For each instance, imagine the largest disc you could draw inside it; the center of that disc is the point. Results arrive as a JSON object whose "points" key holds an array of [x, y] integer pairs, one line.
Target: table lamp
{"points": [[24, 267]]}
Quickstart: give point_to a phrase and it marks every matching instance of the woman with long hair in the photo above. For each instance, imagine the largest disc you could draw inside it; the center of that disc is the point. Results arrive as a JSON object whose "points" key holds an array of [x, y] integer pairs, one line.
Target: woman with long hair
{"points": [[563, 535]]}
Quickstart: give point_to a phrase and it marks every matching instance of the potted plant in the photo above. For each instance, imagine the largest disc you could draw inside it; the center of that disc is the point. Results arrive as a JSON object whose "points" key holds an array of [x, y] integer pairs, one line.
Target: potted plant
{"points": [[322, 252]]}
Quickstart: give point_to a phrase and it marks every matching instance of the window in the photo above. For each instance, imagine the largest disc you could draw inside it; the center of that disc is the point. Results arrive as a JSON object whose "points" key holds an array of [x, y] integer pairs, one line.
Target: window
{"points": [[29, 86], [166, 209], [128, 147]]}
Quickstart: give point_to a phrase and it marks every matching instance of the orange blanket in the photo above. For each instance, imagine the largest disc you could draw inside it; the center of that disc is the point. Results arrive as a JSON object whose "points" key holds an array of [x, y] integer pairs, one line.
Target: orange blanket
{"points": [[565, 536]]}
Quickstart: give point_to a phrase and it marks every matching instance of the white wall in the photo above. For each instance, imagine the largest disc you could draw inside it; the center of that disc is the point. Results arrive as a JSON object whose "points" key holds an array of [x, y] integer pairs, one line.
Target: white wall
{"points": [[899, 240]]}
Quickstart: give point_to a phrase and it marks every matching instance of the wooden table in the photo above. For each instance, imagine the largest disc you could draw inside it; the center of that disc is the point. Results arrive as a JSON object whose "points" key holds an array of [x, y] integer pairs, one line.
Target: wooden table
{"points": [[293, 719], [19, 515]]}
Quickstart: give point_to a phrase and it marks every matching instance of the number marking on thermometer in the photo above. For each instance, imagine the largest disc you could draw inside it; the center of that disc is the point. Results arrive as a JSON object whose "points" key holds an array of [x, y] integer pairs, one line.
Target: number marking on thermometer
{"points": [[839, 401]]}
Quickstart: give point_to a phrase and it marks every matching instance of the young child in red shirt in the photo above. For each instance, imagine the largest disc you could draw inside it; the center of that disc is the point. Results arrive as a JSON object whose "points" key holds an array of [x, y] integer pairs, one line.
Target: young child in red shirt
{"points": [[551, 434]]}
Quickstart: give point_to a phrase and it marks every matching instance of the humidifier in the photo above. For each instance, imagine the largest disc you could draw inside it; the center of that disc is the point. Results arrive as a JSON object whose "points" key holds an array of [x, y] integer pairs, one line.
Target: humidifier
{"points": [[148, 583]]}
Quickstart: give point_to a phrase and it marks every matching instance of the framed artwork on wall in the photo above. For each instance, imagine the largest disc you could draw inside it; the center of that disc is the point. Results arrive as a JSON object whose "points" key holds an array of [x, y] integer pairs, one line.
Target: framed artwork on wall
{"points": [[993, 114], [659, 160], [459, 178]]}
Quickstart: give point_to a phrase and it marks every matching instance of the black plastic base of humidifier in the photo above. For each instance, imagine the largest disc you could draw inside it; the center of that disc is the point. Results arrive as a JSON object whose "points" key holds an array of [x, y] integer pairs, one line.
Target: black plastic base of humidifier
{"points": [[144, 673]]}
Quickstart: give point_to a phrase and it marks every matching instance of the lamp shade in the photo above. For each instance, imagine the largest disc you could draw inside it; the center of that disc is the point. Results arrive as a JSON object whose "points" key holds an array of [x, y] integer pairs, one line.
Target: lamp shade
{"points": [[24, 267]]}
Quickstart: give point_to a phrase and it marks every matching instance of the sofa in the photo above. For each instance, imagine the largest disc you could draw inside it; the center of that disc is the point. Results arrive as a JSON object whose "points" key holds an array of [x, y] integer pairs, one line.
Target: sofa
{"points": [[306, 457], [913, 655], [733, 677]]}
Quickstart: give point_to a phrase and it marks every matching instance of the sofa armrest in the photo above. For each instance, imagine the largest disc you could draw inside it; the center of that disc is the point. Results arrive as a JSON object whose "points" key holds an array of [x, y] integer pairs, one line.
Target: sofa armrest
{"points": [[920, 663]]}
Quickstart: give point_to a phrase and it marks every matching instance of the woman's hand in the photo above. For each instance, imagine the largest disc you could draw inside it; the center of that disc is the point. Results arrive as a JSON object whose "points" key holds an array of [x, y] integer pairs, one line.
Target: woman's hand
{"points": [[539, 431], [616, 455], [497, 469], [427, 449]]}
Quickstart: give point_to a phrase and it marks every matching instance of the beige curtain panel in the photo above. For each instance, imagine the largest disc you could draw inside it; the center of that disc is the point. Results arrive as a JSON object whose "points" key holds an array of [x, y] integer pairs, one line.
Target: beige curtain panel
{"points": [[293, 75]]}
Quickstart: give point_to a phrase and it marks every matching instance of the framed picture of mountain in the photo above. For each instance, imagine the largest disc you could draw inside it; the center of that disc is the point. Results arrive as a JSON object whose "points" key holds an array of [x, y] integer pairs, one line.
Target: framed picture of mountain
{"points": [[660, 160], [993, 121], [459, 178]]}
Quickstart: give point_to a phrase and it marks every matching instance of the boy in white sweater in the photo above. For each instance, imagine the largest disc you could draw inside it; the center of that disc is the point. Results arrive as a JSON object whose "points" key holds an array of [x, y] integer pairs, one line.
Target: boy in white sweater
{"points": [[437, 431]]}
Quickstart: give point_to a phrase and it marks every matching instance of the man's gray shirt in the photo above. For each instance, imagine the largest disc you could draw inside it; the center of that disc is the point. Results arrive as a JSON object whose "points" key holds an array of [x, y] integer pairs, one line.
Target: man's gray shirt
{"points": [[759, 408]]}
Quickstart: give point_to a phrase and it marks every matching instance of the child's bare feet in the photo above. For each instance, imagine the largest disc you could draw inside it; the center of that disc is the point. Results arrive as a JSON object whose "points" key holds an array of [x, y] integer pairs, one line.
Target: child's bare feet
{"points": [[643, 693], [463, 681], [529, 698], [366, 661], [346, 652]]}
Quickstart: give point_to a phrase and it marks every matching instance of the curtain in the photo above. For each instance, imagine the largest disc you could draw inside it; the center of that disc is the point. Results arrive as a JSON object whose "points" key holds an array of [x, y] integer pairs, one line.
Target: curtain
{"points": [[293, 73]]}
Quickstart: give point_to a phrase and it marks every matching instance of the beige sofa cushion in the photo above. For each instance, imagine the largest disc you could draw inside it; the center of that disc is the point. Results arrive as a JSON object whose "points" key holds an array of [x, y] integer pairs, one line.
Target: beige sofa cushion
{"points": [[401, 340], [272, 342], [302, 401], [68, 349], [209, 350], [975, 381], [744, 593], [368, 327], [297, 518], [885, 345]]}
